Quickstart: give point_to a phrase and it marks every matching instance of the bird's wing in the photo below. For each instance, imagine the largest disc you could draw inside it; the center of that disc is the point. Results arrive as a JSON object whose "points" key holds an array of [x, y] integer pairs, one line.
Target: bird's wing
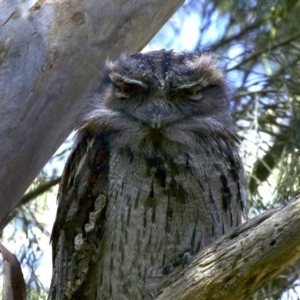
{"points": [[82, 201]]}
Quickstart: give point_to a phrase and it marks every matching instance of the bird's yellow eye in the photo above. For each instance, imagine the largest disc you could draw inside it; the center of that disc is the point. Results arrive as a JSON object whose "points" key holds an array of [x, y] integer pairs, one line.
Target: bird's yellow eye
{"points": [[192, 92], [126, 89]]}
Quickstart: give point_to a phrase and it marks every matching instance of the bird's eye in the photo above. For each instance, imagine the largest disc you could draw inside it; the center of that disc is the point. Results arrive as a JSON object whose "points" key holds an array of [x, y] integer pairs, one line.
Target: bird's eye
{"points": [[192, 92], [126, 89]]}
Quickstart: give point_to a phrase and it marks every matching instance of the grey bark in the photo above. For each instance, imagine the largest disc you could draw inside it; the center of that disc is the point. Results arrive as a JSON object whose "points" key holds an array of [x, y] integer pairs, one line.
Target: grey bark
{"points": [[50, 54], [241, 262]]}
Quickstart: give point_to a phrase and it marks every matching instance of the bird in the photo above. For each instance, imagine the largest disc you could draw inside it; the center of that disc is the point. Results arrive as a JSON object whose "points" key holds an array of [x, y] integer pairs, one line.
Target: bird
{"points": [[155, 176]]}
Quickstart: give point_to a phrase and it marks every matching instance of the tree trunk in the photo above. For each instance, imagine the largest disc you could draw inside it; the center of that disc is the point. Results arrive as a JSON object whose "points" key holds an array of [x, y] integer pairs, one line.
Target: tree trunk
{"points": [[50, 54]]}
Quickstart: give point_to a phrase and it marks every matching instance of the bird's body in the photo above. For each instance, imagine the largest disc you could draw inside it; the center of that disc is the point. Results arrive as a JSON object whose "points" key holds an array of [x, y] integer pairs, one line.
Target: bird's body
{"points": [[155, 177]]}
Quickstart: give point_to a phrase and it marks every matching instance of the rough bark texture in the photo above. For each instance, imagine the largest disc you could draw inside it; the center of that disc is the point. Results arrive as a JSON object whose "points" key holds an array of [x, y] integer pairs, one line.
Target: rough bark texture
{"points": [[239, 263], [50, 53]]}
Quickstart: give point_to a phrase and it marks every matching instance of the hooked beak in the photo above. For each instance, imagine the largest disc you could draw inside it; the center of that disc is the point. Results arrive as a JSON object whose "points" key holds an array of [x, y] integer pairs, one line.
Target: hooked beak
{"points": [[157, 115]]}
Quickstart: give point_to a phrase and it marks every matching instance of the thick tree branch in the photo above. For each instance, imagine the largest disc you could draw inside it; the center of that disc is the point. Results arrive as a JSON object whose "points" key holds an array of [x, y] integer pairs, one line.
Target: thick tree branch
{"points": [[50, 54], [241, 262]]}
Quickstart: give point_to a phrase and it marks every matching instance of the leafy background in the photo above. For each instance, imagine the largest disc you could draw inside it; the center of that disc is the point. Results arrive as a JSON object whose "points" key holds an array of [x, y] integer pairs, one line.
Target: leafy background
{"points": [[258, 46]]}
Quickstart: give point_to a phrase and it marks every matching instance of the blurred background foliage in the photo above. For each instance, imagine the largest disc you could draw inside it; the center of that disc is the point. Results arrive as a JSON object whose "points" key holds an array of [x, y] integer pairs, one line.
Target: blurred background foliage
{"points": [[258, 44]]}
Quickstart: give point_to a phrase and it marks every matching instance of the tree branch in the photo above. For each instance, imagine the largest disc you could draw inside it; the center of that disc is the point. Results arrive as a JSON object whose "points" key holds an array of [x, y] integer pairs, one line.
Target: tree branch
{"points": [[241, 262], [257, 54], [263, 167], [41, 189]]}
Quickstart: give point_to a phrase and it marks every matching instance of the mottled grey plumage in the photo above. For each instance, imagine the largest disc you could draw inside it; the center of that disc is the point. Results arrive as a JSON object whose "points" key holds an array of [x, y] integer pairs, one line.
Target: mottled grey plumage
{"points": [[155, 177]]}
